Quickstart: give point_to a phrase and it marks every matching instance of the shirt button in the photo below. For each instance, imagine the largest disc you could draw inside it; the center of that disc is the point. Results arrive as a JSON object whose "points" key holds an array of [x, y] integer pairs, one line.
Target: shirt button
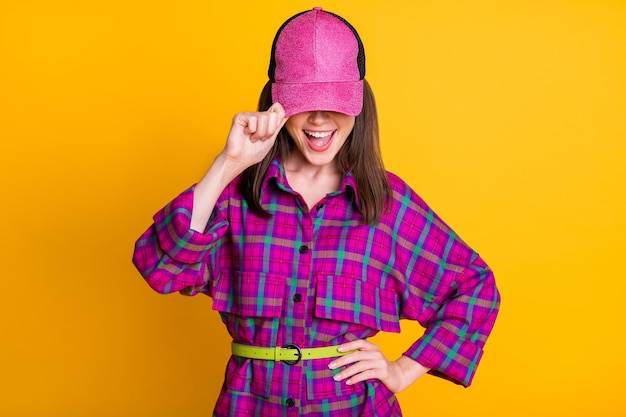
{"points": [[290, 402], [304, 249], [319, 207], [297, 298]]}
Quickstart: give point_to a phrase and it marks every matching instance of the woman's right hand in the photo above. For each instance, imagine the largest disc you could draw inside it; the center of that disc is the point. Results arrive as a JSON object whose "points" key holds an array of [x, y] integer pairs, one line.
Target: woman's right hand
{"points": [[252, 135]]}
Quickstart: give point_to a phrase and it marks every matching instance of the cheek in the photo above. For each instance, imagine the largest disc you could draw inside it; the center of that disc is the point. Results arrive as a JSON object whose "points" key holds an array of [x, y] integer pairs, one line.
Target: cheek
{"points": [[348, 131], [294, 129], [293, 133], [348, 125], [342, 143], [294, 123]]}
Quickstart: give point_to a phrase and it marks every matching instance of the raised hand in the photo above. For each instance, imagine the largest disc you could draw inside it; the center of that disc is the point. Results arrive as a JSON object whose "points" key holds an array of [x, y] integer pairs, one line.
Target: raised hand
{"points": [[252, 135]]}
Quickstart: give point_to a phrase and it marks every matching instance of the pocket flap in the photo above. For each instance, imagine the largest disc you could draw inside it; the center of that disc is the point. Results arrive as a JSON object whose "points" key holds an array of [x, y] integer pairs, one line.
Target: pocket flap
{"points": [[249, 294], [352, 300]]}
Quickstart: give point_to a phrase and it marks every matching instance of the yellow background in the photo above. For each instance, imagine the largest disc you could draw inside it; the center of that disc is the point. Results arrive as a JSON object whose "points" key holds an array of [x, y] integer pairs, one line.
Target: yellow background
{"points": [[508, 117]]}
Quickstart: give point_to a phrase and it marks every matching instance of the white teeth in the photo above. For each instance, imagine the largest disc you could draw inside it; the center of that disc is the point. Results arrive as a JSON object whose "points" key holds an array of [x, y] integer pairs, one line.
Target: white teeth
{"points": [[319, 134]]}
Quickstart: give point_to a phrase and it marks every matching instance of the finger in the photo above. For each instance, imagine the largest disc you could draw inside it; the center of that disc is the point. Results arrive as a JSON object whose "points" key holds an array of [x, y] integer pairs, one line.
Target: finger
{"points": [[364, 376], [281, 123], [272, 123], [277, 110], [351, 371], [373, 369], [356, 356], [261, 127], [359, 367], [250, 124], [360, 344]]}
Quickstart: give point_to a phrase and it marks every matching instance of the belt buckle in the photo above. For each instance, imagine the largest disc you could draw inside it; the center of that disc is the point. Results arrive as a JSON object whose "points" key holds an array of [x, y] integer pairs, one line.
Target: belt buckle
{"points": [[299, 354]]}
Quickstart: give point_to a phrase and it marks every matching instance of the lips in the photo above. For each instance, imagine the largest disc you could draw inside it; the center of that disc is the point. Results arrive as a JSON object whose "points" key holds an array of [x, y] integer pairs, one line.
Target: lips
{"points": [[319, 141]]}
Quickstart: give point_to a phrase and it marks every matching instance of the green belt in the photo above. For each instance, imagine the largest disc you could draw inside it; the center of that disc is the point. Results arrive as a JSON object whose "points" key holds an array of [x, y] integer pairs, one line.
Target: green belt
{"points": [[290, 354]]}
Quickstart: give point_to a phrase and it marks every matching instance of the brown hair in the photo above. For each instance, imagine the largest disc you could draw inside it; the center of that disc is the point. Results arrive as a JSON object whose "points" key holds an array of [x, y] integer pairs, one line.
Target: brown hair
{"points": [[360, 154]]}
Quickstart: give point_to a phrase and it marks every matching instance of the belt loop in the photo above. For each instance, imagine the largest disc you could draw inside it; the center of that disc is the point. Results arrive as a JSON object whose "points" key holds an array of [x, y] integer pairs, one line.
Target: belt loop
{"points": [[277, 353]]}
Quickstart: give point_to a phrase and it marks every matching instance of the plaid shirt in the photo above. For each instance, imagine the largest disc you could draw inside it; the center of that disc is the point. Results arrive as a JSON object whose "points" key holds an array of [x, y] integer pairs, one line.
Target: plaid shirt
{"points": [[318, 278]]}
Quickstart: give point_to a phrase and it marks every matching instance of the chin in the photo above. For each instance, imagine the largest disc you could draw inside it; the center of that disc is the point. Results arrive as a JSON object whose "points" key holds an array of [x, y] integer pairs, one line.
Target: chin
{"points": [[316, 158]]}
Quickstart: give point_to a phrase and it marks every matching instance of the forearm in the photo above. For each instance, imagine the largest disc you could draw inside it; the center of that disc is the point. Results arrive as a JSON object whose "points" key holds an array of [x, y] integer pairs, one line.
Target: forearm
{"points": [[409, 371], [208, 190]]}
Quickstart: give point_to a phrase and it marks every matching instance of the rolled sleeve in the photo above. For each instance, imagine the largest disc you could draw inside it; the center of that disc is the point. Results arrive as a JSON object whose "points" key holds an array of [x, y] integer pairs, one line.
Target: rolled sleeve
{"points": [[174, 233], [448, 356], [458, 328], [170, 256]]}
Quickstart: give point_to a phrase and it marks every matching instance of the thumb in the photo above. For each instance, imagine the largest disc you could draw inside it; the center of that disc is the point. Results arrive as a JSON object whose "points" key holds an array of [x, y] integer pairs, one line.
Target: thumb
{"points": [[280, 111], [277, 108]]}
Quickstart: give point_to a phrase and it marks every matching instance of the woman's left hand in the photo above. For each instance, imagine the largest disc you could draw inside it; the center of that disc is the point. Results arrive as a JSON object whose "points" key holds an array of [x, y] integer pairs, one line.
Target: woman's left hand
{"points": [[368, 362]]}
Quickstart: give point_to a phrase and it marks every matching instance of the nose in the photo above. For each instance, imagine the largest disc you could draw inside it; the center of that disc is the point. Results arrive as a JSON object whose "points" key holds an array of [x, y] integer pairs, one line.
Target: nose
{"points": [[318, 116]]}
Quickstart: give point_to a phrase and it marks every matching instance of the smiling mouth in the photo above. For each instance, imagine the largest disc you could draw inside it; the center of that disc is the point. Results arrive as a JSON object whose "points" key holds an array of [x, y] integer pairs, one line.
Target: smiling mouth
{"points": [[319, 141]]}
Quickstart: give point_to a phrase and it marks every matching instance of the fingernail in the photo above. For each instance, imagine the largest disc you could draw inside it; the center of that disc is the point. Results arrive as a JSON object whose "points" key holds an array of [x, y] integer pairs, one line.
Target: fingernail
{"points": [[337, 377], [332, 365], [340, 349], [349, 382]]}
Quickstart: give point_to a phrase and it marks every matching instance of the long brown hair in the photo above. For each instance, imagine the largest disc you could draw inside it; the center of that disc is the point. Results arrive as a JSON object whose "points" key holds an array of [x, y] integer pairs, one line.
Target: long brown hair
{"points": [[360, 154]]}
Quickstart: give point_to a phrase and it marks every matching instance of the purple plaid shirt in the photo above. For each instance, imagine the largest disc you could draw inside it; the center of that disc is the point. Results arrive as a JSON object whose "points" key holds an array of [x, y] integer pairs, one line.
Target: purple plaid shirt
{"points": [[318, 278]]}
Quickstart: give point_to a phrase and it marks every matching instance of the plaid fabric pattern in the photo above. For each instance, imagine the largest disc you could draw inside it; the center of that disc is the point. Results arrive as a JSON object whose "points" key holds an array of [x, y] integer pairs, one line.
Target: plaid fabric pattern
{"points": [[317, 278]]}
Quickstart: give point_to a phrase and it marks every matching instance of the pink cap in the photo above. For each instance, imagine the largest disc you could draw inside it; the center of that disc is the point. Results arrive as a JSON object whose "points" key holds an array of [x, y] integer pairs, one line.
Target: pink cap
{"points": [[317, 63]]}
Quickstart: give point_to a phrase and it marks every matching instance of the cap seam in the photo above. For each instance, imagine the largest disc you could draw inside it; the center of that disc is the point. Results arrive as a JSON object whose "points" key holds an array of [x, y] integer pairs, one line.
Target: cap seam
{"points": [[317, 75]]}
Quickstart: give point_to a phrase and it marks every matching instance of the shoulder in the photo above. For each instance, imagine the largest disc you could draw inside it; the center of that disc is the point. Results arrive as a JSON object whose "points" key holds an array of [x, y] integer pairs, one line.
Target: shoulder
{"points": [[413, 220], [406, 207], [402, 194], [395, 182]]}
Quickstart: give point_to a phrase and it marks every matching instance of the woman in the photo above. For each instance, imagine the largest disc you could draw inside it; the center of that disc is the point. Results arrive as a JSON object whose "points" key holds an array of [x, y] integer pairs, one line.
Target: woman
{"points": [[308, 247]]}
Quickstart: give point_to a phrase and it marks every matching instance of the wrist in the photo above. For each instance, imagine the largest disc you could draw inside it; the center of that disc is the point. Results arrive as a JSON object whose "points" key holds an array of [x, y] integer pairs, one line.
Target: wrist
{"points": [[410, 370], [227, 168]]}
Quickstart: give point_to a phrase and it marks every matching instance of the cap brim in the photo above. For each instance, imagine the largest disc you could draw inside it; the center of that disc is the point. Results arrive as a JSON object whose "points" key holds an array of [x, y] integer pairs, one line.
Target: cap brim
{"points": [[342, 97]]}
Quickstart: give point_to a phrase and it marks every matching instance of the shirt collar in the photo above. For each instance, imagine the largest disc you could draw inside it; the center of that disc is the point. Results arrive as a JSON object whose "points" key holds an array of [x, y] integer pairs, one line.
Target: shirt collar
{"points": [[276, 172]]}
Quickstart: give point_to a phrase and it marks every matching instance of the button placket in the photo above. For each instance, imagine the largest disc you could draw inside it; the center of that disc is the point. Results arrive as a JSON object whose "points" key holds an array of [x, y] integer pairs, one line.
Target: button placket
{"points": [[295, 331]]}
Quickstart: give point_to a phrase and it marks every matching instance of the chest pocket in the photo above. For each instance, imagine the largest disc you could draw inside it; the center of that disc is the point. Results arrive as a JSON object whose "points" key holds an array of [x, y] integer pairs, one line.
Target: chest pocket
{"points": [[347, 305], [351, 300], [249, 294]]}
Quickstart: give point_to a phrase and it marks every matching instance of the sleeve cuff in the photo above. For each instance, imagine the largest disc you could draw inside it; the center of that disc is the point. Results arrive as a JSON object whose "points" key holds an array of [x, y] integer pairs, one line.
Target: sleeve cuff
{"points": [[449, 356], [175, 236]]}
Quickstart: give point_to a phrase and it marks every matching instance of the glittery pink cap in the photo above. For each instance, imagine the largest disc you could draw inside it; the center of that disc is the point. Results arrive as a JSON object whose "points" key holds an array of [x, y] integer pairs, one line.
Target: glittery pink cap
{"points": [[317, 63]]}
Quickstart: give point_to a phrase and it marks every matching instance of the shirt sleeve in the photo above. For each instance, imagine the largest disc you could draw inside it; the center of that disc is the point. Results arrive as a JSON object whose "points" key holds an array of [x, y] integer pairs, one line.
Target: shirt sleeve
{"points": [[170, 255], [449, 290]]}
